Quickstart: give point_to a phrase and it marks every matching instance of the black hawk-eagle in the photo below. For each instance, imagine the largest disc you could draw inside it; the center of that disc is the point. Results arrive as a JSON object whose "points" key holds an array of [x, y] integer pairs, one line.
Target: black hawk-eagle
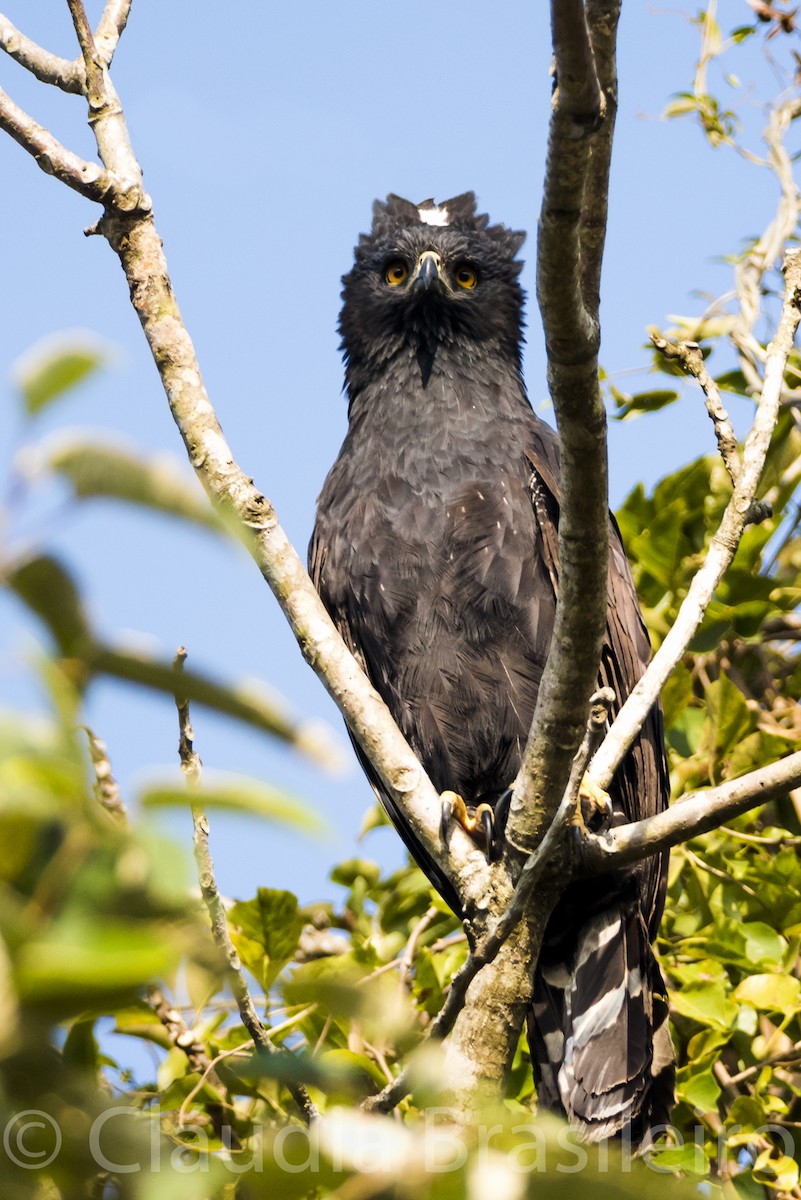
{"points": [[435, 552]]}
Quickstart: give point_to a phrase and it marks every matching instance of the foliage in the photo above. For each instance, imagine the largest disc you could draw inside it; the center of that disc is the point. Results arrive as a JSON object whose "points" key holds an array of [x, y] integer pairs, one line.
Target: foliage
{"points": [[100, 935]]}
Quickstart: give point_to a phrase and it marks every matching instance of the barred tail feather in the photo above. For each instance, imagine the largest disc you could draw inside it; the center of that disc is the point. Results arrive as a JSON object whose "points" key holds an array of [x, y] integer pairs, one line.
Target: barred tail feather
{"points": [[598, 1029]]}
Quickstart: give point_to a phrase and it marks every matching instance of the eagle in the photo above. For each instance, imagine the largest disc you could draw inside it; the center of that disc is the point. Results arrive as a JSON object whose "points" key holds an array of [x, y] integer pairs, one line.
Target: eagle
{"points": [[435, 552]]}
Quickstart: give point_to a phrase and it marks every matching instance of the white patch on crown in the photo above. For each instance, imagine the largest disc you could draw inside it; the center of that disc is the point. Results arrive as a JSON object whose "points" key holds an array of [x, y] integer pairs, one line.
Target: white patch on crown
{"points": [[435, 214]]}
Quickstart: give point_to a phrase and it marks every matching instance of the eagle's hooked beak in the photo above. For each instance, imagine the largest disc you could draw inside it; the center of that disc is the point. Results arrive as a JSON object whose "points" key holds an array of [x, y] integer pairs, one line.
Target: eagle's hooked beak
{"points": [[428, 272]]}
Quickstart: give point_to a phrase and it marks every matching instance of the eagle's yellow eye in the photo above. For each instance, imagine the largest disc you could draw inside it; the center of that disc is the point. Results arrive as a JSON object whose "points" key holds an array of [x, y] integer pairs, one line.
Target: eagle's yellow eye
{"points": [[465, 276], [396, 272]]}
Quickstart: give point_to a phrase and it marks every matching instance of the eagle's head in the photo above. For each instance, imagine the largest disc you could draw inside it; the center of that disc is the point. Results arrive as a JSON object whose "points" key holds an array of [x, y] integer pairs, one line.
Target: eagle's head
{"points": [[431, 278]]}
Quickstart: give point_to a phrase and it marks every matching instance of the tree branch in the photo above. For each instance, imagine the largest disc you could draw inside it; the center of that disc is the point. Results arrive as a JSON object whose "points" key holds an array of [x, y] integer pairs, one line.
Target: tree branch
{"points": [[602, 19], [106, 789], [111, 27], [547, 857], [181, 1036], [128, 225], [54, 159], [691, 359], [723, 546], [694, 814], [570, 244], [47, 67], [69, 75], [191, 766]]}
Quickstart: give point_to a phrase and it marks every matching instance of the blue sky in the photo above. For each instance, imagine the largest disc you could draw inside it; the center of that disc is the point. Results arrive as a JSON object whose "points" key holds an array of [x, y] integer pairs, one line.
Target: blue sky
{"points": [[265, 132]]}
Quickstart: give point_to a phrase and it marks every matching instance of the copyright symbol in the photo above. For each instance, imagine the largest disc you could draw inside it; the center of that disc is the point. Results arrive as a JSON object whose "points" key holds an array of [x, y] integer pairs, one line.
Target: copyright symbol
{"points": [[32, 1139]]}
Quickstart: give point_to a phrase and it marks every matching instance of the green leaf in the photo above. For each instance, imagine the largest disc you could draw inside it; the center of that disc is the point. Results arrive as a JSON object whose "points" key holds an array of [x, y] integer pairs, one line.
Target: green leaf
{"points": [[95, 469], [677, 694], [351, 1073], [706, 1003], [48, 589], [775, 1170], [643, 402], [269, 928], [56, 365], [686, 103], [83, 963], [374, 818], [729, 715], [732, 381], [690, 1157], [346, 873], [256, 706], [236, 792], [81, 1046], [701, 1090], [335, 983], [763, 944], [770, 993]]}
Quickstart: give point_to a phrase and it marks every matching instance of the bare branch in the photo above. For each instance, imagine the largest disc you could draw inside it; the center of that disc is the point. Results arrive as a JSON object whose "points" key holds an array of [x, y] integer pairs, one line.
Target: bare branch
{"points": [[107, 791], [54, 159], [47, 67], [110, 28], [407, 959], [567, 279], [181, 1036], [723, 546], [579, 92], [691, 358], [191, 766], [69, 75], [92, 63], [130, 230], [768, 248], [694, 814], [602, 19]]}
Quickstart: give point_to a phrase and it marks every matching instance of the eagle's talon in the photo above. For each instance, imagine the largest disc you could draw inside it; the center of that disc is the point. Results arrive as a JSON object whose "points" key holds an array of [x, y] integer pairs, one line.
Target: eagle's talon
{"points": [[593, 808], [486, 816], [500, 817], [478, 820], [453, 808]]}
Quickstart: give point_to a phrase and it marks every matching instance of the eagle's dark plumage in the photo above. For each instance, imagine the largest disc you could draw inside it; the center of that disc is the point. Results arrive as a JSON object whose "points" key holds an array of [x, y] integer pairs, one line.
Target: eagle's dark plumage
{"points": [[435, 551]]}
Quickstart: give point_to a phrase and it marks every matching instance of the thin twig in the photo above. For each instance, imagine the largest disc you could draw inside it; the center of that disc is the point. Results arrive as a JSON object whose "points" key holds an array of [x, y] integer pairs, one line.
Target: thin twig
{"points": [[785, 1058], [191, 766], [691, 358], [182, 1037], [602, 20], [106, 789], [706, 867], [93, 65], [407, 958], [694, 814], [723, 546]]}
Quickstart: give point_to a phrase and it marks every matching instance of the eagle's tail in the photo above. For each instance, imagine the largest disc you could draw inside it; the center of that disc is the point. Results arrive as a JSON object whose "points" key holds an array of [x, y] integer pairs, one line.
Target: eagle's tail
{"points": [[598, 1029]]}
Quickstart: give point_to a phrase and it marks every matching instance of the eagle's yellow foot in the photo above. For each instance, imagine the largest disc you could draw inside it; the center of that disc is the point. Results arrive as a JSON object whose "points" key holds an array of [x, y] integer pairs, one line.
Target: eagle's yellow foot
{"points": [[478, 819], [594, 808]]}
